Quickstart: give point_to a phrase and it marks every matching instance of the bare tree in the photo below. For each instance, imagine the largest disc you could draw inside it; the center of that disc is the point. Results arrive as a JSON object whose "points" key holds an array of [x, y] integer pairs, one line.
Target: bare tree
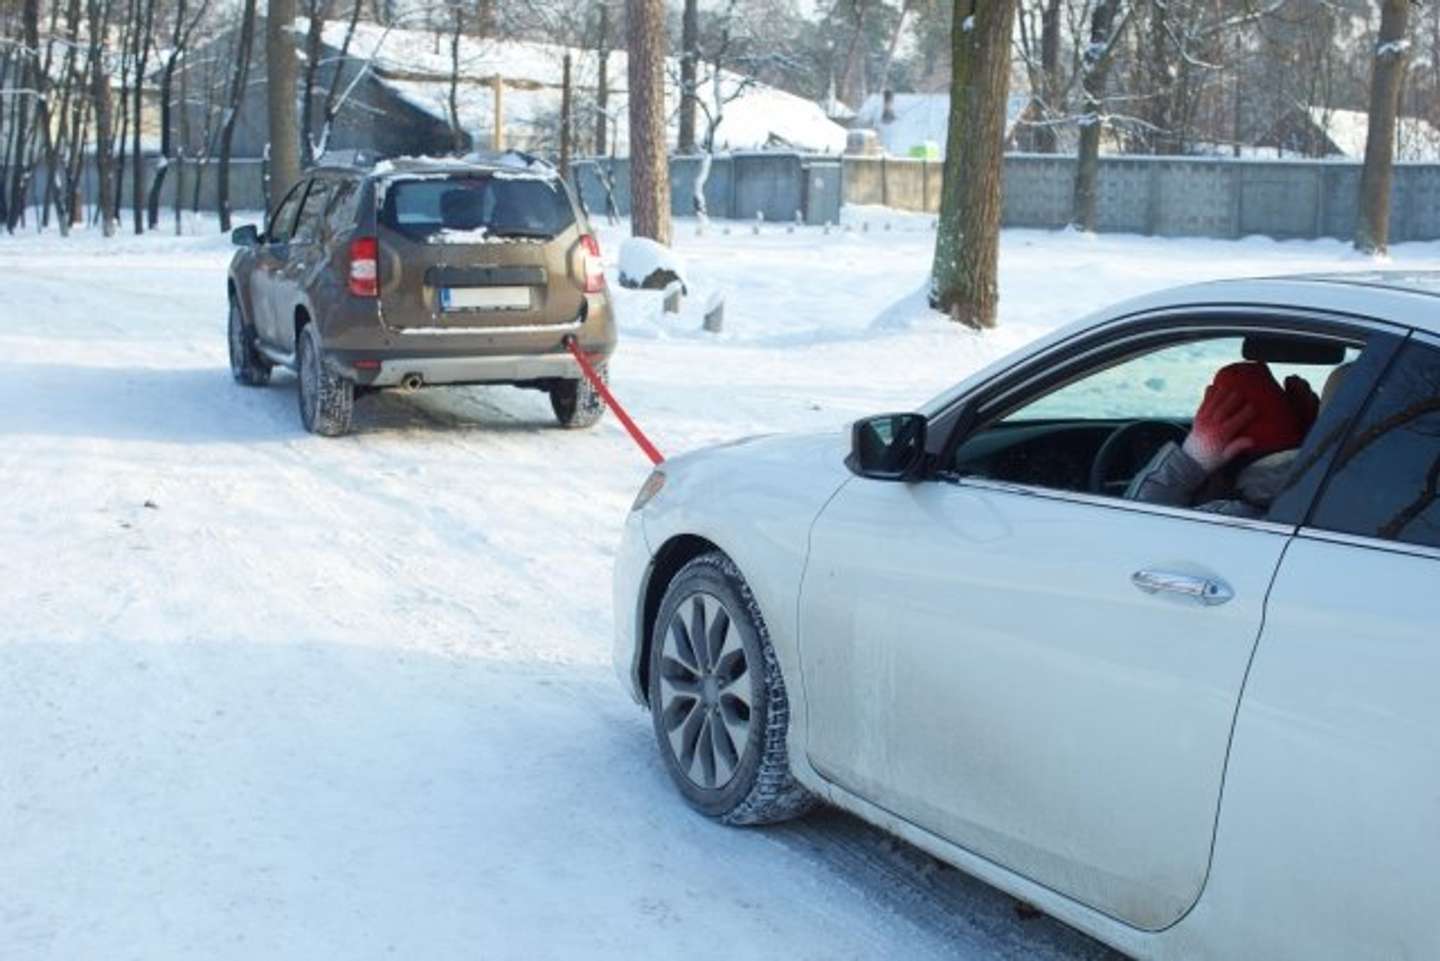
{"points": [[689, 64], [282, 81], [602, 79], [1105, 33], [239, 78], [1372, 225], [99, 17], [317, 13], [963, 278], [649, 171]]}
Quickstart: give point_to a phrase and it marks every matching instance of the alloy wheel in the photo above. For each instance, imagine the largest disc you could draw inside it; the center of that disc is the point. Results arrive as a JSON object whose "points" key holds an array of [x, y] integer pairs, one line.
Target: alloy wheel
{"points": [[706, 694]]}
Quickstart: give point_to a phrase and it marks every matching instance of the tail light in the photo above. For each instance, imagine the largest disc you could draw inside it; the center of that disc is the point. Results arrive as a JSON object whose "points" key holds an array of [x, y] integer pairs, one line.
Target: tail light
{"points": [[365, 267], [591, 268]]}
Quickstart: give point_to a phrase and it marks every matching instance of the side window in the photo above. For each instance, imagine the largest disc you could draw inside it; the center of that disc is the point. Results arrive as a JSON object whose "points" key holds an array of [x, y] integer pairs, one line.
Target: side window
{"points": [[312, 214], [344, 206], [1101, 430], [282, 223], [1386, 478]]}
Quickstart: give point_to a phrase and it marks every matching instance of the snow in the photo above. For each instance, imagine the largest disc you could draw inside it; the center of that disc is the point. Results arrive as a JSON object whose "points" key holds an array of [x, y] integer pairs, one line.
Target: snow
{"points": [[640, 257], [921, 120], [352, 698], [412, 63], [1415, 138]]}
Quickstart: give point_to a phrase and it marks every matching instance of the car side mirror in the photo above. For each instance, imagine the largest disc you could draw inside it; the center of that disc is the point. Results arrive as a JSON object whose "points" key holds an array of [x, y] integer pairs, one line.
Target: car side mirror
{"points": [[246, 236], [888, 446]]}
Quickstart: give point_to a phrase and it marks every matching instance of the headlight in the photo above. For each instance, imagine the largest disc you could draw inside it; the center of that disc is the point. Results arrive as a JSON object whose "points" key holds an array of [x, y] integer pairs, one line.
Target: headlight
{"points": [[649, 489]]}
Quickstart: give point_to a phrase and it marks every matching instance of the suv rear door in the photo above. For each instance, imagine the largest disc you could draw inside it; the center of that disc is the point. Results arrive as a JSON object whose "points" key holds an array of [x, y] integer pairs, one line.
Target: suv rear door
{"points": [[478, 250]]}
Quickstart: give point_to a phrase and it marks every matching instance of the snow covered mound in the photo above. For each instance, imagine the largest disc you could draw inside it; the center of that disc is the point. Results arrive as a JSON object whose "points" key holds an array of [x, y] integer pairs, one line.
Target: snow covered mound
{"points": [[647, 264]]}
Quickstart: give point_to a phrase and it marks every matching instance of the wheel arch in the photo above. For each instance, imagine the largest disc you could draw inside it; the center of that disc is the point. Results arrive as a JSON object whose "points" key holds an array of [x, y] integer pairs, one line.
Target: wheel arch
{"points": [[674, 554]]}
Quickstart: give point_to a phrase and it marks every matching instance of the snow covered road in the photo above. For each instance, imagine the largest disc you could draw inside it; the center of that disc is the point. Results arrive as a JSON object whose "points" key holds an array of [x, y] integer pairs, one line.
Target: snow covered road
{"points": [[268, 695]]}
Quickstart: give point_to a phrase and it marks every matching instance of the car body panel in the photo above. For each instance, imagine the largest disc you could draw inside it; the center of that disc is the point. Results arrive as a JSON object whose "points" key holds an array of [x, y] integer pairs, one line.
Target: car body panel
{"points": [[753, 499], [966, 646], [1330, 831]]}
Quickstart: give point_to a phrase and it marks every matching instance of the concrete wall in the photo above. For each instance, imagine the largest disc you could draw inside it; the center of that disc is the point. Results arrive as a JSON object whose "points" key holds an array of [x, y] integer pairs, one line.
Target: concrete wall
{"points": [[1173, 196], [247, 187], [775, 185]]}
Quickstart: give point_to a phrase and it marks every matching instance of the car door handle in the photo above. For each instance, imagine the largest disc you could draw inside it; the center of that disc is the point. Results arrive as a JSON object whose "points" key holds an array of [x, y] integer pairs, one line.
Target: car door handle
{"points": [[1201, 590]]}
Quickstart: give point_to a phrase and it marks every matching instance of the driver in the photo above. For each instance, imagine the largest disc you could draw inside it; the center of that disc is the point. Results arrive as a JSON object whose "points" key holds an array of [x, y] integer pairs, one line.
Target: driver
{"points": [[1247, 422]]}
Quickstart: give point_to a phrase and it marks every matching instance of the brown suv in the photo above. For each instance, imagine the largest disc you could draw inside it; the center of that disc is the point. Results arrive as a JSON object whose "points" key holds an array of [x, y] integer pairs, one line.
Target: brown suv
{"points": [[422, 272]]}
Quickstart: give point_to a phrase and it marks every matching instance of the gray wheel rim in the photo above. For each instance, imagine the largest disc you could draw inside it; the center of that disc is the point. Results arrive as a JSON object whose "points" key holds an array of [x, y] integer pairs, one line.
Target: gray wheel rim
{"points": [[309, 377], [706, 695]]}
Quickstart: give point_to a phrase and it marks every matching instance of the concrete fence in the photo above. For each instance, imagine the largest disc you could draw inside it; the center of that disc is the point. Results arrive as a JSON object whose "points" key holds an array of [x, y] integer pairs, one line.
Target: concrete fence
{"points": [[247, 186], [1162, 196], [777, 186]]}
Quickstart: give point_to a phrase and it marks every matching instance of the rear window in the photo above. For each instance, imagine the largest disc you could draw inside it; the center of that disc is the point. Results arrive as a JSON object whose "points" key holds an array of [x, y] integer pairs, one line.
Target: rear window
{"points": [[477, 208]]}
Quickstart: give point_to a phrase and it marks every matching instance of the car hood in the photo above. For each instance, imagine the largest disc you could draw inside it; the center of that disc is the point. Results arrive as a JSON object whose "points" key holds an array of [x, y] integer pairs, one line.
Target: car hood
{"points": [[819, 454]]}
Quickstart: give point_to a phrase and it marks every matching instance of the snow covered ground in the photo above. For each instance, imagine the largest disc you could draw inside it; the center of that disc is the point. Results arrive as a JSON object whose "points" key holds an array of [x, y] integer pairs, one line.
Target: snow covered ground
{"points": [[264, 695]]}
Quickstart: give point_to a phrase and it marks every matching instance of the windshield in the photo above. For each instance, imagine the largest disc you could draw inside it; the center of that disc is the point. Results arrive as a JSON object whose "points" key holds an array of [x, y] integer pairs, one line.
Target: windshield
{"points": [[472, 209]]}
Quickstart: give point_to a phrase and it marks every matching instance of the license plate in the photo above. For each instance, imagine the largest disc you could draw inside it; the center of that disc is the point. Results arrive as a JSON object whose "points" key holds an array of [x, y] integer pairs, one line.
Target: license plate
{"points": [[484, 298]]}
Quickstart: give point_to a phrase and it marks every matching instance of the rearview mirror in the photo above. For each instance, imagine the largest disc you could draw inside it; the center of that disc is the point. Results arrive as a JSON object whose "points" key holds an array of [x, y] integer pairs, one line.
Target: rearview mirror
{"points": [[888, 446], [246, 236]]}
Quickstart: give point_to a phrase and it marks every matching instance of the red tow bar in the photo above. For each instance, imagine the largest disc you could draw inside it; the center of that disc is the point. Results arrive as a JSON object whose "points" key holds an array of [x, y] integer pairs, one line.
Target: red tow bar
{"points": [[636, 434]]}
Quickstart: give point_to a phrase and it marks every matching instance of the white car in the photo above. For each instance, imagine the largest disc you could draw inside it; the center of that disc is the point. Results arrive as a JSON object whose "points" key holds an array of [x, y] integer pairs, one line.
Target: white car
{"points": [[1188, 733]]}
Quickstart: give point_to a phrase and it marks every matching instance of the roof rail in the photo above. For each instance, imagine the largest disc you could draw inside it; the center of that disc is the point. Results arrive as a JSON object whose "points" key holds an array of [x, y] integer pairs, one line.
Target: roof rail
{"points": [[348, 157]]}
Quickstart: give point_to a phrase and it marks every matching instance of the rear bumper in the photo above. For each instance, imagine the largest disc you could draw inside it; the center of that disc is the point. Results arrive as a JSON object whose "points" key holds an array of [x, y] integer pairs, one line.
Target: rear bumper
{"points": [[500, 369]]}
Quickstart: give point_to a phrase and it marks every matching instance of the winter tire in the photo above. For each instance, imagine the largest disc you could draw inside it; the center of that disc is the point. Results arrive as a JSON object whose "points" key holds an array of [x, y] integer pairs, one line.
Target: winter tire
{"points": [[326, 399], [246, 364], [718, 701], [576, 403]]}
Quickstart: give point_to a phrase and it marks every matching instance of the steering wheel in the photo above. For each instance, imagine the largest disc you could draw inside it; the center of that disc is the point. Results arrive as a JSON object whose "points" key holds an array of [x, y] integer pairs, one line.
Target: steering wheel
{"points": [[1124, 441]]}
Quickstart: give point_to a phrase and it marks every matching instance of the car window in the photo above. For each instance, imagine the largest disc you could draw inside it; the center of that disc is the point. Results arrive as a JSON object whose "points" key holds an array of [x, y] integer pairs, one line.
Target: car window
{"points": [[1385, 482], [312, 212], [1058, 439], [282, 223], [476, 208], [343, 205]]}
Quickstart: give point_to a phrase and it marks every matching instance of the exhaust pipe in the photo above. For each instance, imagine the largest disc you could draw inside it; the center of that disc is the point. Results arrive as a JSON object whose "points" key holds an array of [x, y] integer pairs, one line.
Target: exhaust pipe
{"points": [[410, 383]]}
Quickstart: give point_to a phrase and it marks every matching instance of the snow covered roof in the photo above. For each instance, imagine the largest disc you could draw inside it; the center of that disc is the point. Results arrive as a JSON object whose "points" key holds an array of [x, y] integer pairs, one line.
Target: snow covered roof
{"points": [[921, 119], [1415, 139], [416, 64]]}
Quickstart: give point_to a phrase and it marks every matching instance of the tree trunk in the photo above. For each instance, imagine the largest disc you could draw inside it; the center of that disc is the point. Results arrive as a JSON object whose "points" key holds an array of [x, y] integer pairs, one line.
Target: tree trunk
{"points": [[282, 80], [565, 123], [602, 80], [319, 12], [852, 82], [689, 62], [1372, 226], [1045, 138], [457, 134], [963, 277], [233, 106], [1094, 67], [100, 90], [332, 93], [895, 44], [167, 139], [137, 157], [28, 75], [649, 172]]}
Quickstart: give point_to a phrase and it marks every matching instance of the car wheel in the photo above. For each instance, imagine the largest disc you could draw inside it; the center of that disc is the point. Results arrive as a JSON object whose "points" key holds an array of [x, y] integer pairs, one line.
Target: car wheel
{"points": [[576, 403], [718, 701], [246, 364], [326, 399]]}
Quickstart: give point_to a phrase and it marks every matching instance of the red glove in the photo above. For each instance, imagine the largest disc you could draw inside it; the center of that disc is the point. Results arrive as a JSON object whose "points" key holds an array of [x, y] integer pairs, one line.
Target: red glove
{"points": [[1215, 437], [1302, 401]]}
